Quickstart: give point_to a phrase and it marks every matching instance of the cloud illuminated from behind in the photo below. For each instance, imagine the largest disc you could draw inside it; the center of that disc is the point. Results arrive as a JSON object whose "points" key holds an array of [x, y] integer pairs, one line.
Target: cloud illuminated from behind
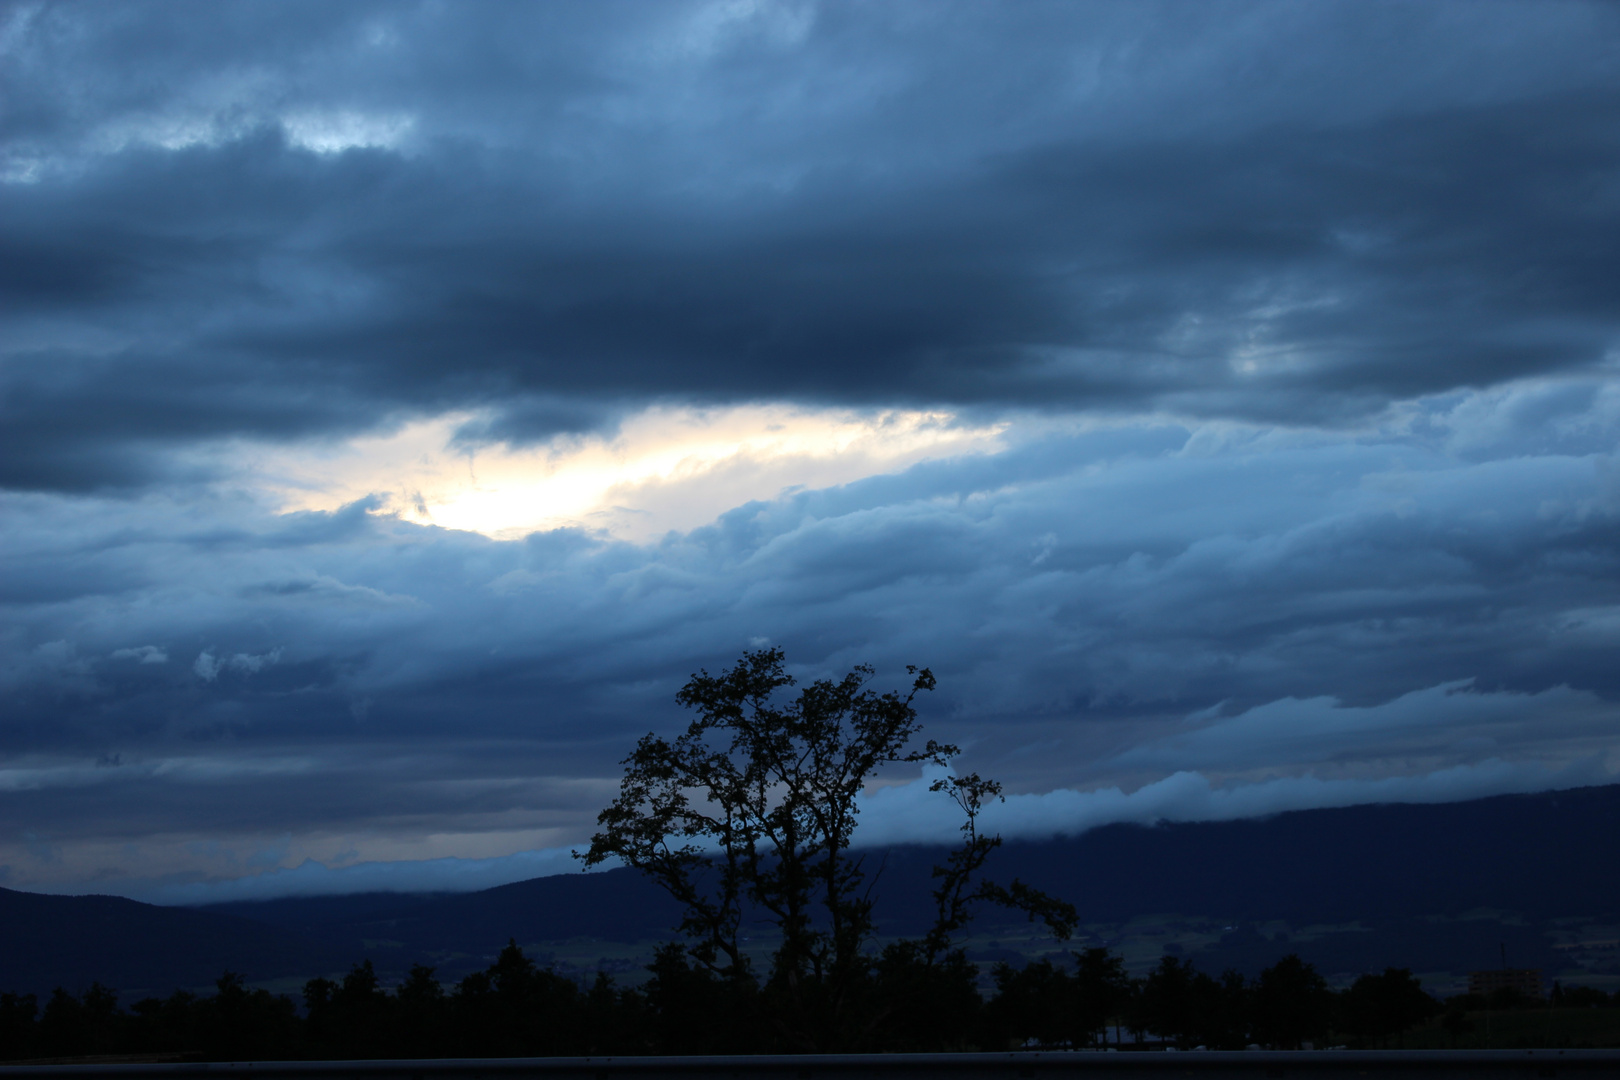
{"points": [[665, 468]]}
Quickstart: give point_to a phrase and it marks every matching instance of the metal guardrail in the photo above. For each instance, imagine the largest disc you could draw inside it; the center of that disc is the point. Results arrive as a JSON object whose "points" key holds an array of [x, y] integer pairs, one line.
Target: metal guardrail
{"points": [[1026, 1065]]}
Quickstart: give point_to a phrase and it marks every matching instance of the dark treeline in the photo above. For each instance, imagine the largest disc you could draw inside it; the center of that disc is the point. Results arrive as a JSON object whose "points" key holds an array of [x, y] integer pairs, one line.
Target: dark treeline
{"points": [[515, 1008]]}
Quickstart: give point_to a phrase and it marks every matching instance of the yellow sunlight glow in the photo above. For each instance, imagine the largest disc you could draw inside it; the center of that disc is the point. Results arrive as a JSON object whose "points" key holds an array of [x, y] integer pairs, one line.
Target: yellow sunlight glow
{"points": [[666, 468]]}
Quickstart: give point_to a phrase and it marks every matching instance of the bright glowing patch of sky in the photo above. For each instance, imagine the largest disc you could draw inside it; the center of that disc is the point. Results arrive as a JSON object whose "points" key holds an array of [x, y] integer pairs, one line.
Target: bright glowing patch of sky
{"points": [[664, 469]]}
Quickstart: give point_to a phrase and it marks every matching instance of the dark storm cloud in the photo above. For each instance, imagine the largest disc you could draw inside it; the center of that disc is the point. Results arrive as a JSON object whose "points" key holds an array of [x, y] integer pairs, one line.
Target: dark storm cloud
{"points": [[916, 205]]}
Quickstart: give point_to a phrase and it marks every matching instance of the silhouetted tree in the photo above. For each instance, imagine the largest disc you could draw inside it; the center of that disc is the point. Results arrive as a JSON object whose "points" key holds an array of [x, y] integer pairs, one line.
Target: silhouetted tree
{"points": [[239, 1024], [1036, 1002], [351, 1019], [422, 1011], [1292, 1004], [1455, 1021], [72, 1026], [1379, 1006], [17, 1032], [779, 786], [166, 1024], [515, 1009], [922, 1003], [363, 1010], [697, 1012], [1170, 1001], [615, 1021], [960, 888], [320, 1029], [229, 1023], [1583, 997], [1227, 1020], [1101, 990]]}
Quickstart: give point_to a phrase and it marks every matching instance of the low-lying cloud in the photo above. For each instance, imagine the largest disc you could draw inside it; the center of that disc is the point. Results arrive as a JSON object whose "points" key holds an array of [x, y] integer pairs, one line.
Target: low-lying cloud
{"points": [[911, 814]]}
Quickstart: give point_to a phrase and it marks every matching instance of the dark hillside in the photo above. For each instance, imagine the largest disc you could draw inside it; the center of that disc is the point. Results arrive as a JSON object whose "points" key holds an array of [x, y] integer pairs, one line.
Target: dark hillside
{"points": [[1542, 856], [1390, 867], [618, 905], [1406, 873], [47, 941]]}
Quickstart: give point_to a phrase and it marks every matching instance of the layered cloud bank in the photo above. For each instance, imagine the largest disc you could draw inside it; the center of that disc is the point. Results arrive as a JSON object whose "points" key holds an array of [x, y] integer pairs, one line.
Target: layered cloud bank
{"points": [[1218, 619], [398, 404]]}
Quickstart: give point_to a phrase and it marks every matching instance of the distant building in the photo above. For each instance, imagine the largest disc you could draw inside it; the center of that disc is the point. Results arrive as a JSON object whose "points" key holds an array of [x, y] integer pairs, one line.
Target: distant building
{"points": [[1526, 981]]}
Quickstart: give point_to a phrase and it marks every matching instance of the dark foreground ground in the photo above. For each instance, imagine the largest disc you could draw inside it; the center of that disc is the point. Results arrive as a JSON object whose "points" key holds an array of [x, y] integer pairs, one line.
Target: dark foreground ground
{"points": [[1262, 1065]]}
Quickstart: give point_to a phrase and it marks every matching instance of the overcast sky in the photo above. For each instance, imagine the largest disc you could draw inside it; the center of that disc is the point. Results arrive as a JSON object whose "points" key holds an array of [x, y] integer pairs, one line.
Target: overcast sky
{"points": [[398, 402]]}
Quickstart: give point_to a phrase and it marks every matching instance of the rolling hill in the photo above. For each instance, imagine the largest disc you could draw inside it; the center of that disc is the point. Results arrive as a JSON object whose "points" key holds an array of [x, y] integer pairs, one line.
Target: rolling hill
{"points": [[1433, 887]]}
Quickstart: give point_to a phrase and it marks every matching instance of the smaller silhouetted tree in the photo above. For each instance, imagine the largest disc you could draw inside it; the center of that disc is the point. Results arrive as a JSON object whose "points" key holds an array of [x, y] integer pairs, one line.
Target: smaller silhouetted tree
{"points": [[924, 1004], [1035, 1002], [423, 1014], [697, 1012], [1101, 990], [615, 1021], [71, 1026], [242, 1024], [1455, 1021], [18, 1032], [320, 1030], [1170, 1001], [1226, 1025], [1585, 997], [166, 1024], [1377, 1007], [516, 1009], [354, 1018], [1292, 1004]]}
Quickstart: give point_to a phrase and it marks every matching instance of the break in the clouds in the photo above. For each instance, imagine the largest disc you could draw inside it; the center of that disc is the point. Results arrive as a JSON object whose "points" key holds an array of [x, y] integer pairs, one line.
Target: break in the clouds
{"points": [[398, 402]]}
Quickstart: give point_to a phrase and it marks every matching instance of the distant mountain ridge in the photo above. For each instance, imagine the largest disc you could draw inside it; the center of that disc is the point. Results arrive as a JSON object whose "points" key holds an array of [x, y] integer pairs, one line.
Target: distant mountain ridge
{"points": [[71, 941], [1540, 856], [1543, 855]]}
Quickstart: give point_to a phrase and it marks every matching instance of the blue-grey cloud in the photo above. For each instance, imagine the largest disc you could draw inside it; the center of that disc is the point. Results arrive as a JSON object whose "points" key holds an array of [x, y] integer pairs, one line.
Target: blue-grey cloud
{"points": [[1298, 323], [1108, 605]]}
